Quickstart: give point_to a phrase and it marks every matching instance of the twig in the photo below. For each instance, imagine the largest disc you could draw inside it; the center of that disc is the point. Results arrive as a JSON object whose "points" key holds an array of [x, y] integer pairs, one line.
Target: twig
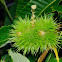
{"points": [[43, 55]]}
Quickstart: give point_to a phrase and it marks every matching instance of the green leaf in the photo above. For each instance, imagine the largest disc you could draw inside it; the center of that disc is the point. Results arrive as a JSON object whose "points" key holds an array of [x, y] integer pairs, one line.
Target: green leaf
{"points": [[57, 8], [56, 3], [12, 10], [42, 5], [6, 58], [3, 2], [17, 57], [31, 58], [21, 5], [54, 60], [4, 34], [50, 56], [60, 17], [49, 9]]}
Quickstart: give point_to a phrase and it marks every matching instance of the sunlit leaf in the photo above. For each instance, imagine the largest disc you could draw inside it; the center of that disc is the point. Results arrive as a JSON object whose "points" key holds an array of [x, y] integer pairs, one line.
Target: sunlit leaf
{"points": [[17, 57]]}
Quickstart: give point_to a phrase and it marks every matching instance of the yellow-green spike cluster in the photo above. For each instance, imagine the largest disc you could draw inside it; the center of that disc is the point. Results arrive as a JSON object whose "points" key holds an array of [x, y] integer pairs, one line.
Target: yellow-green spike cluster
{"points": [[42, 35]]}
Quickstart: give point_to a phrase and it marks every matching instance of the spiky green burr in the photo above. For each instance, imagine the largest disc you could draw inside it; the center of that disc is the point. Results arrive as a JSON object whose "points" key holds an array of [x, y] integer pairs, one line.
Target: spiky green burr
{"points": [[32, 38]]}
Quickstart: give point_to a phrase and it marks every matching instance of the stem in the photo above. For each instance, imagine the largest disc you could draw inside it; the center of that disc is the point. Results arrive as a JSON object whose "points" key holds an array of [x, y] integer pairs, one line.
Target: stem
{"points": [[3, 2], [56, 53], [43, 55]]}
